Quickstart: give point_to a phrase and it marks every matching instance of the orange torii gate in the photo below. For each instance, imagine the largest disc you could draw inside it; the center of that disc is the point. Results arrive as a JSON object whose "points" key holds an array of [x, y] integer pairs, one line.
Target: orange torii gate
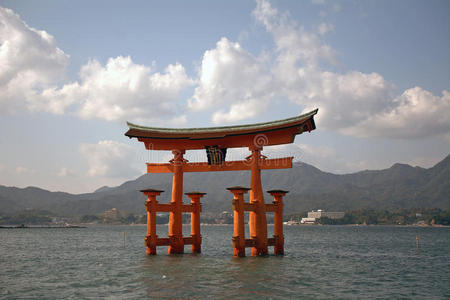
{"points": [[216, 141]]}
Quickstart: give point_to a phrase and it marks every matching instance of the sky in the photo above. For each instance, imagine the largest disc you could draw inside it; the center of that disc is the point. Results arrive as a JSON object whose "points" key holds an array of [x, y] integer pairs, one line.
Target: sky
{"points": [[73, 72]]}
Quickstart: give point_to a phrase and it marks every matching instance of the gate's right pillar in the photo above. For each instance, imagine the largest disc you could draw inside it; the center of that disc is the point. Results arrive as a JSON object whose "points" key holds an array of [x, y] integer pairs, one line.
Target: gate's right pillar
{"points": [[176, 244], [278, 220], [257, 218], [196, 246]]}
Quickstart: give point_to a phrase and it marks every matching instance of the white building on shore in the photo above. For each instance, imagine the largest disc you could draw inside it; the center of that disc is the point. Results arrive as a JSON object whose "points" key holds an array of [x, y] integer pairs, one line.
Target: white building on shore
{"points": [[328, 214], [314, 215], [308, 221]]}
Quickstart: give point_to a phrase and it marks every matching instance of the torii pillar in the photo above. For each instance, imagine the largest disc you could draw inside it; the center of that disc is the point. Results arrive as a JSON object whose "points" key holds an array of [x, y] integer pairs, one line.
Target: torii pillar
{"points": [[196, 246], [257, 219], [278, 220], [150, 208], [175, 217], [238, 220]]}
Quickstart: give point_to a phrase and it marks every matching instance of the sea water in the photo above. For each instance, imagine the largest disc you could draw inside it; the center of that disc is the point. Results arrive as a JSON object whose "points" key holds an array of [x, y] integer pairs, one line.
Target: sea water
{"points": [[384, 262]]}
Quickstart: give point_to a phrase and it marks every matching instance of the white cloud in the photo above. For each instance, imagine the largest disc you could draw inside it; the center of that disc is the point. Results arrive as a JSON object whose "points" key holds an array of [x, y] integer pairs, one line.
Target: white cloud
{"points": [[178, 120], [233, 83], [33, 67], [30, 62], [353, 103], [324, 28], [237, 85], [336, 8], [122, 90], [23, 170], [446, 137], [416, 113], [293, 43], [330, 6], [110, 159], [65, 172], [243, 36], [234, 80], [240, 111], [344, 100]]}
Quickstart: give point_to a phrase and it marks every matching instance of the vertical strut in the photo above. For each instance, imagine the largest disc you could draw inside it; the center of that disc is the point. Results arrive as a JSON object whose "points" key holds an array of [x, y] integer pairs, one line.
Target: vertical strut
{"points": [[196, 246], [238, 220], [150, 207], [257, 220], [175, 217], [278, 220]]}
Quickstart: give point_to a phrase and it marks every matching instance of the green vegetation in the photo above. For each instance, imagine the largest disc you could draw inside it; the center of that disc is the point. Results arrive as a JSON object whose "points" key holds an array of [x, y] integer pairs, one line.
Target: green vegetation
{"points": [[400, 217], [119, 217], [89, 219], [361, 216], [32, 217]]}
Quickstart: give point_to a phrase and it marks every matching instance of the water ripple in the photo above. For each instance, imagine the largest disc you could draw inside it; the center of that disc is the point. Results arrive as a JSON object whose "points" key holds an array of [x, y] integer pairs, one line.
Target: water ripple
{"points": [[325, 262]]}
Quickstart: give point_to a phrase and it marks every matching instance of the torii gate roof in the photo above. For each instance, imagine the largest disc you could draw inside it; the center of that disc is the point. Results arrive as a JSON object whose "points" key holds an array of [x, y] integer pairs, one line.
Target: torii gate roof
{"points": [[260, 134]]}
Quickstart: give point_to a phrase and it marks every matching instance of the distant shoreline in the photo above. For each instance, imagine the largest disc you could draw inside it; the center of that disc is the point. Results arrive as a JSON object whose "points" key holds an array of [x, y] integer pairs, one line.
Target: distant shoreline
{"points": [[40, 227], [85, 225]]}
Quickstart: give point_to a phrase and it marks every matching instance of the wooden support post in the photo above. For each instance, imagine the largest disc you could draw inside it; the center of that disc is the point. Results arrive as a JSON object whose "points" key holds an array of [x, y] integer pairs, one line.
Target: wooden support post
{"points": [[257, 220], [238, 220], [175, 217], [278, 220], [196, 246], [150, 207]]}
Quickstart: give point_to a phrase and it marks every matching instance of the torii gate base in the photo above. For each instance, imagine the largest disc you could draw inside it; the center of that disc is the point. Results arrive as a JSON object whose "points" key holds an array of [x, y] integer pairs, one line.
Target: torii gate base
{"points": [[176, 241], [239, 240], [239, 207]]}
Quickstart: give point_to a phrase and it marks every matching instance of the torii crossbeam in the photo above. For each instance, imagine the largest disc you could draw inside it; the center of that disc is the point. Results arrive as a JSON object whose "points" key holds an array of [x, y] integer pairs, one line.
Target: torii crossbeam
{"points": [[216, 141]]}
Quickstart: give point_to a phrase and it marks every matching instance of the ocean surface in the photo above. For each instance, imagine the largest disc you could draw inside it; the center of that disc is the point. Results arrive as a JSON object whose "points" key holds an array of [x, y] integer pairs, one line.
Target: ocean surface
{"points": [[325, 262]]}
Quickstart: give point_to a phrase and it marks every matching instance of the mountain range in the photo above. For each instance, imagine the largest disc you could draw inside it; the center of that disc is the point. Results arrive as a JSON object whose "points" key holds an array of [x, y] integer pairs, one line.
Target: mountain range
{"points": [[398, 187]]}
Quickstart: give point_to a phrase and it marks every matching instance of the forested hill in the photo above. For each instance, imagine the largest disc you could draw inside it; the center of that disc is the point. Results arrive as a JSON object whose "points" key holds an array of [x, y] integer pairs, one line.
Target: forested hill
{"points": [[400, 186]]}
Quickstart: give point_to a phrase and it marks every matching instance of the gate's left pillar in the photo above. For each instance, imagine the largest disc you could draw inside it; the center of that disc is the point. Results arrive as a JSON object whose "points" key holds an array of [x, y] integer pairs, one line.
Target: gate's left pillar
{"points": [[150, 207]]}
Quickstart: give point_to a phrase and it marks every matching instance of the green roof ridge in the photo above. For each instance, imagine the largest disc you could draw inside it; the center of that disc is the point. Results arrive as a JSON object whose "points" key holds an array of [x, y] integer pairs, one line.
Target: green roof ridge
{"points": [[223, 128]]}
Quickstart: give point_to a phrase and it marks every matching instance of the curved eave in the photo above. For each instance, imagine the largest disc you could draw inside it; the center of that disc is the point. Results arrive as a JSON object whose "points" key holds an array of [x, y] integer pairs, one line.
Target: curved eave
{"points": [[138, 131]]}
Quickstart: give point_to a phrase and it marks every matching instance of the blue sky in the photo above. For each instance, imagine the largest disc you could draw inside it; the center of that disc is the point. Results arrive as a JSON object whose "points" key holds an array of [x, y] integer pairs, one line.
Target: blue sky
{"points": [[72, 73]]}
